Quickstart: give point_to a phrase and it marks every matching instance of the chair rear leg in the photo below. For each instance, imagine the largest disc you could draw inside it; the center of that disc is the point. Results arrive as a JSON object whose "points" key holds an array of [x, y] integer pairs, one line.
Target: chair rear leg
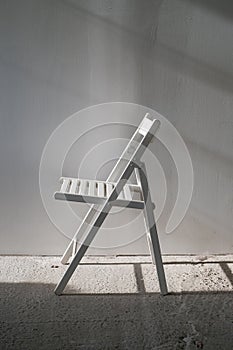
{"points": [[152, 230]]}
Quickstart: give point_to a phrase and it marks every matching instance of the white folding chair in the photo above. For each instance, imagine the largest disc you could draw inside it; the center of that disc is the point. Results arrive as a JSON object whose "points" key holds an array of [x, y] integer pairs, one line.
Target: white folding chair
{"points": [[114, 192]]}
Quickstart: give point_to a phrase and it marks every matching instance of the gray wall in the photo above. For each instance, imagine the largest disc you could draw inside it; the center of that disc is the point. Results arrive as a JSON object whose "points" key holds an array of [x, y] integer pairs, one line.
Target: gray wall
{"points": [[57, 57]]}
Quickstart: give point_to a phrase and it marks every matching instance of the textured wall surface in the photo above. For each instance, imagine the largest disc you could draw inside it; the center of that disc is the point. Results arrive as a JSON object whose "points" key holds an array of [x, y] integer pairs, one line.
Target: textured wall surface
{"points": [[57, 57]]}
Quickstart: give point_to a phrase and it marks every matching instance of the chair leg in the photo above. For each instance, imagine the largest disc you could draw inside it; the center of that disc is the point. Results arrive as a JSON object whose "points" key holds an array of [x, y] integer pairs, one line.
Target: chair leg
{"points": [[69, 272], [67, 254], [75, 244], [152, 230], [82, 249], [87, 220], [150, 245]]}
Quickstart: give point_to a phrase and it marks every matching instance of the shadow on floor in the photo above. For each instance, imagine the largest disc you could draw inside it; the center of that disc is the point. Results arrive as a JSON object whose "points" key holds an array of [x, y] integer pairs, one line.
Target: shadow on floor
{"points": [[33, 317]]}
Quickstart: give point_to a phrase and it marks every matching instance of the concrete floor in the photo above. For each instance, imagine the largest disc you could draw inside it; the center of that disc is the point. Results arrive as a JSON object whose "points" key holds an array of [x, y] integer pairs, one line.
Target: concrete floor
{"points": [[113, 303]]}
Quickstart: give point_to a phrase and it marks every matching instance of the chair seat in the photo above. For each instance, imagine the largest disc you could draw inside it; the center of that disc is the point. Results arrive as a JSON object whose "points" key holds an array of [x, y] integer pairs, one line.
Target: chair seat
{"points": [[96, 192]]}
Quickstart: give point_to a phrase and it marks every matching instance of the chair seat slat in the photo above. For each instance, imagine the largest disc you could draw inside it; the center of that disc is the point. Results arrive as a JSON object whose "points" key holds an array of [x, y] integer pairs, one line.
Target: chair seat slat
{"points": [[83, 187], [74, 185], [65, 185], [100, 189], [127, 193], [109, 188], [92, 186]]}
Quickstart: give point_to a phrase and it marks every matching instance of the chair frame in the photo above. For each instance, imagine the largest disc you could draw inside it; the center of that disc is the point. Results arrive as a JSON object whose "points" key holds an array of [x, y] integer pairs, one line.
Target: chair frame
{"points": [[131, 161]]}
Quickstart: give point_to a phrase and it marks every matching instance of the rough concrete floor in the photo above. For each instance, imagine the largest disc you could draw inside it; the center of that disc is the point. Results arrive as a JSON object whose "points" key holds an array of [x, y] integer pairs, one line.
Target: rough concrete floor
{"points": [[113, 303]]}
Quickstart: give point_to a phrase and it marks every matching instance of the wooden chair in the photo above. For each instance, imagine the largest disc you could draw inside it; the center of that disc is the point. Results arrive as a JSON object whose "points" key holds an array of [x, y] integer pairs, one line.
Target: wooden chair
{"points": [[115, 191]]}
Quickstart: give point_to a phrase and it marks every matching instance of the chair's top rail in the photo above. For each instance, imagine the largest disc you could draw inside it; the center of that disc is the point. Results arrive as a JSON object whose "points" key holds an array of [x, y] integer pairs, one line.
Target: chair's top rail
{"points": [[145, 125], [136, 146]]}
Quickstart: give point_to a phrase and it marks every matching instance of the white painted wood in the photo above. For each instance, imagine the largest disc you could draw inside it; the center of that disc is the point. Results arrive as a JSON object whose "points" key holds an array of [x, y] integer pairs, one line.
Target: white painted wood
{"points": [[124, 165], [65, 185], [121, 195], [94, 192], [92, 188], [83, 187], [109, 188], [133, 146], [99, 218], [100, 189], [74, 248], [127, 193], [145, 126], [74, 185]]}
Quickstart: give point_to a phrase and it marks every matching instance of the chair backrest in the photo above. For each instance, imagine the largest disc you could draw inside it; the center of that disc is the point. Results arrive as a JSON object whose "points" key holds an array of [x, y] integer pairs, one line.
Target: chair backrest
{"points": [[136, 146]]}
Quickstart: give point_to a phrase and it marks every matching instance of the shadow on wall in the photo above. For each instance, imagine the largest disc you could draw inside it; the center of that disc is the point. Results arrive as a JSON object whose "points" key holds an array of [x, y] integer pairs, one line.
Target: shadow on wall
{"points": [[32, 317], [223, 7], [146, 36]]}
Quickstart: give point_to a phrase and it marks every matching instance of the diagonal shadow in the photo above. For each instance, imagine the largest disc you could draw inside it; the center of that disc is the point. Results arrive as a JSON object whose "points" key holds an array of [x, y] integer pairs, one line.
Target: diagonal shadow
{"points": [[227, 271], [139, 278]]}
